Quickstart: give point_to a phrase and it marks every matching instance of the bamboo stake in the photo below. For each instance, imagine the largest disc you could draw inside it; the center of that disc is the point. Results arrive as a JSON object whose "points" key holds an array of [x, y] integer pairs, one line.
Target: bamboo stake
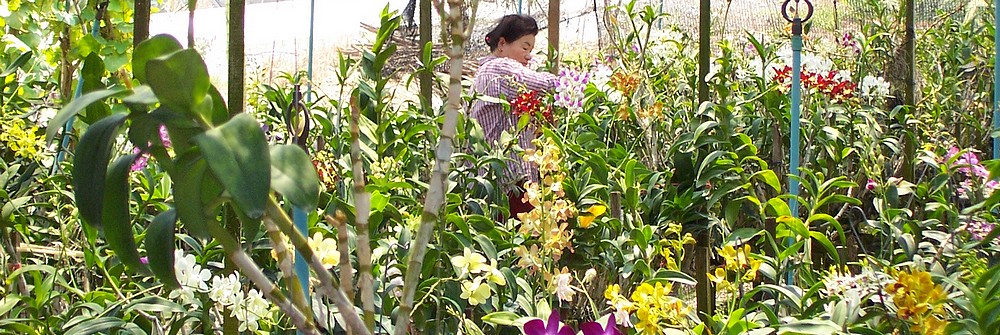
{"points": [[362, 208], [435, 200]]}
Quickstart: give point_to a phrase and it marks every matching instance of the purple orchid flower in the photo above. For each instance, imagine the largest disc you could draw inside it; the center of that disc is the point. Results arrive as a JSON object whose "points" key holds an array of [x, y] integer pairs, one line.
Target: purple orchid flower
{"points": [[595, 328], [536, 327], [871, 185]]}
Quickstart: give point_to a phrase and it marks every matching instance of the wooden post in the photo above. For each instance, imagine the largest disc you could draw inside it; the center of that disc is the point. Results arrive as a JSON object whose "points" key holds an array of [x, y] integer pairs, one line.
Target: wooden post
{"points": [[426, 78], [554, 34], [140, 21], [704, 48], [909, 97], [616, 205], [237, 56], [703, 250]]}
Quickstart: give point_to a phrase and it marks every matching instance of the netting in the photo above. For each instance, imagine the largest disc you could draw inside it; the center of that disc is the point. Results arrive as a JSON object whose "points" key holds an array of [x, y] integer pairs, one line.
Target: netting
{"points": [[277, 30]]}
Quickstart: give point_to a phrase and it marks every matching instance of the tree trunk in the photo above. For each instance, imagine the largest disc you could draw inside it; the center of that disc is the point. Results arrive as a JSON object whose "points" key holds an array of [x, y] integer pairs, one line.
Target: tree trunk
{"points": [[237, 55], [554, 34], [909, 97], [703, 251], [140, 30]]}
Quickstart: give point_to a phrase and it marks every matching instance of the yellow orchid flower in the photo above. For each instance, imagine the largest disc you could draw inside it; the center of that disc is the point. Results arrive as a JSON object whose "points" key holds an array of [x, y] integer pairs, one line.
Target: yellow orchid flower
{"points": [[587, 218], [475, 291], [469, 262]]}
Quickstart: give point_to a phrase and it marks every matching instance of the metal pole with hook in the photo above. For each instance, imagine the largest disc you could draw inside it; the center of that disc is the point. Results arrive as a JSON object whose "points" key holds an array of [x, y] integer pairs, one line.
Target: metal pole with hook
{"points": [[796, 96]]}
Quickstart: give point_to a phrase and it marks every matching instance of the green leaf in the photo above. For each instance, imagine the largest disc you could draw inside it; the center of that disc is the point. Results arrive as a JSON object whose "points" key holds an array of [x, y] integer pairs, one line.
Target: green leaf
{"points": [[502, 318], [672, 276], [191, 174], [237, 153], [74, 108], [154, 47], [155, 304], [141, 96], [809, 327], [94, 326], [160, 248], [488, 248], [16, 64], [825, 242], [778, 207], [116, 220], [743, 235], [90, 167], [294, 176], [180, 79], [770, 178]]}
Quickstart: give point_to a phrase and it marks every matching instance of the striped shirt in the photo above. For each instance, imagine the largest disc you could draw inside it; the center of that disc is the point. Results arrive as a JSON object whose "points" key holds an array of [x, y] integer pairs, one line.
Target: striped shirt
{"points": [[505, 78]]}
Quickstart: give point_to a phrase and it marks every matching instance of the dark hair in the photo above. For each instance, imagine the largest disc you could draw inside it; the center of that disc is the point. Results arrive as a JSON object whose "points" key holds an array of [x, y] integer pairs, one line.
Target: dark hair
{"points": [[511, 27]]}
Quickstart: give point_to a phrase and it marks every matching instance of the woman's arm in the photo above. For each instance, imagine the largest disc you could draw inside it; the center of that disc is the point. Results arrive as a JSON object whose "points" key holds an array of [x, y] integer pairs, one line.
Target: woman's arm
{"points": [[531, 79]]}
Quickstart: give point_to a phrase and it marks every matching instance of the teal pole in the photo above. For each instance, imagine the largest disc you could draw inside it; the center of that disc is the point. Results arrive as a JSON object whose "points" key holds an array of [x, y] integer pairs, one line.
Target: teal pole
{"points": [[300, 215], [660, 21], [996, 78], [312, 37], [796, 97], [300, 219], [520, 4], [77, 92]]}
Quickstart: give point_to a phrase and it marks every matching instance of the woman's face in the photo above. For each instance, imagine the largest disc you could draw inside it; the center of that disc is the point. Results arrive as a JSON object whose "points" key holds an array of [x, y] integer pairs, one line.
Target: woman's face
{"points": [[519, 50]]}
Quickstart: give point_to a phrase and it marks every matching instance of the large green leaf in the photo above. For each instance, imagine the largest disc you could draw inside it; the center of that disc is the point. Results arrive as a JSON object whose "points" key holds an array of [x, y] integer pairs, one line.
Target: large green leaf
{"points": [[154, 47], [115, 215], [294, 176], [74, 108], [191, 174], [769, 178], [237, 153], [160, 248], [97, 325], [90, 166], [180, 79]]}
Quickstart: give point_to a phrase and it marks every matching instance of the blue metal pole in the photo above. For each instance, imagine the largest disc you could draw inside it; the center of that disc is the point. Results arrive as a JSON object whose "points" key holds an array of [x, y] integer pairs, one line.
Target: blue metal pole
{"points": [[77, 92], [996, 77], [660, 21], [300, 219], [300, 215], [309, 66], [520, 4], [793, 183]]}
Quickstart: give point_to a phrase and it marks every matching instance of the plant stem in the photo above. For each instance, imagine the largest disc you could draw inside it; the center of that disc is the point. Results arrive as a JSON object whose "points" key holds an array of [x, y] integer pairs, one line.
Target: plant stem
{"points": [[253, 272], [327, 286], [285, 264], [435, 201], [362, 207], [346, 271]]}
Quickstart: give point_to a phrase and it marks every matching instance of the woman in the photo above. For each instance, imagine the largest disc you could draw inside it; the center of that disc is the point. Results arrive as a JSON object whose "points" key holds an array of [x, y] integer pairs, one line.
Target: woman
{"points": [[504, 74]]}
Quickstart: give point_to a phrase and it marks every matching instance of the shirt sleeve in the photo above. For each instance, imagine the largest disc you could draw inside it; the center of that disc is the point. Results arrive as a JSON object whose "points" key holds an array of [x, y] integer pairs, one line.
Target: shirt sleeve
{"points": [[531, 79]]}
